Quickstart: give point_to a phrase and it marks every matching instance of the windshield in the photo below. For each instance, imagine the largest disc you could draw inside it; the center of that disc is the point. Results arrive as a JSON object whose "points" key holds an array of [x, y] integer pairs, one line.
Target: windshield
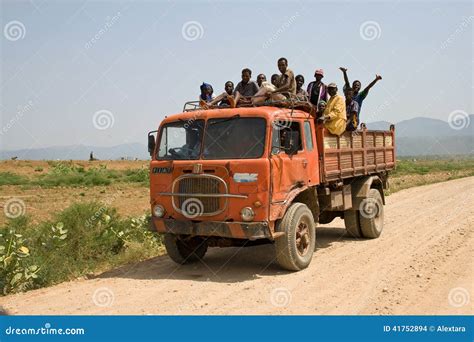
{"points": [[234, 138], [181, 140]]}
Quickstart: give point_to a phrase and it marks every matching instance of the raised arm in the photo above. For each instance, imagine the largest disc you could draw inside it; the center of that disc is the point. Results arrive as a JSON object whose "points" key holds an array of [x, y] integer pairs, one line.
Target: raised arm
{"points": [[371, 84], [346, 79]]}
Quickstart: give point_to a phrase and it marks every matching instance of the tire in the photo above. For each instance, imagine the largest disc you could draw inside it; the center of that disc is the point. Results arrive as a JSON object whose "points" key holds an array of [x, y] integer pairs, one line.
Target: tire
{"points": [[352, 223], [371, 215], [185, 250], [295, 249]]}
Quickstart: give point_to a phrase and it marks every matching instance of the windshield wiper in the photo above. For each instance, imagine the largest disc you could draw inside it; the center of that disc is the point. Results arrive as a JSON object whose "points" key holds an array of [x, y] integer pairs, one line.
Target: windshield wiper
{"points": [[236, 116]]}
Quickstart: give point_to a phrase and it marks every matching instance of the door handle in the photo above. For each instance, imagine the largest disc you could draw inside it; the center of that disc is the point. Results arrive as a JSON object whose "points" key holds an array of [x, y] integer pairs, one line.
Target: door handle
{"points": [[305, 163]]}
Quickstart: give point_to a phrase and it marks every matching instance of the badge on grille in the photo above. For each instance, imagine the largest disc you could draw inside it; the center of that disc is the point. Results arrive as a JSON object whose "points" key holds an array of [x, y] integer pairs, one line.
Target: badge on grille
{"points": [[197, 168]]}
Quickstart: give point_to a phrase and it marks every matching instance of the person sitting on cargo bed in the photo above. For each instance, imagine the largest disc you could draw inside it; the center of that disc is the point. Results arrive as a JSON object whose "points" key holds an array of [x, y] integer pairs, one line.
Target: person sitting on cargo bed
{"points": [[334, 116], [301, 94], [317, 90], [321, 107], [260, 79], [359, 96], [352, 110]]}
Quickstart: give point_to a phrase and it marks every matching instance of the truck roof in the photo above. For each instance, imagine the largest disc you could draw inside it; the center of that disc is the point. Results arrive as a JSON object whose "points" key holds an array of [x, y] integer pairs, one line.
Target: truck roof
{"points": [[268, 112]]}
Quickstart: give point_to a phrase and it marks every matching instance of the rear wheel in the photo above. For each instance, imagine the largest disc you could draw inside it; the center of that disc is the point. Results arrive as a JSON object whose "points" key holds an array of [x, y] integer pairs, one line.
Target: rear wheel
{"points": [[183, 250], [294, 250], [371, 215]]}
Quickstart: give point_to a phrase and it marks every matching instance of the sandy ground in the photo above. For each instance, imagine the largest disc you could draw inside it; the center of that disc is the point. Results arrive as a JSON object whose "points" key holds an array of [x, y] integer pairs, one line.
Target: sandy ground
{"points": [[422, 264]]}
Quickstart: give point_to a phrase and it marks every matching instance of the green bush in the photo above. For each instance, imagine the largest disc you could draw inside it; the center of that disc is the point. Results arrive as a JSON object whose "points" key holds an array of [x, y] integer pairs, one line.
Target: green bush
{"points": [[69, 174], [9, 178], [82, 239]]}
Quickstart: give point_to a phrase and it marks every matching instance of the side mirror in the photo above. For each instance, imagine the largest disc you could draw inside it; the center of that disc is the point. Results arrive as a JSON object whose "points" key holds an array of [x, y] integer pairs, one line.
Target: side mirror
{"points": [[151, 142], [292, 139]]}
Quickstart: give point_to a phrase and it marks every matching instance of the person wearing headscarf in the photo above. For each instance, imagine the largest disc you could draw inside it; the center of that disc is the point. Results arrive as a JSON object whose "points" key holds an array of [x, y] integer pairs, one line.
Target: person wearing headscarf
{"points": [[207, 93]]}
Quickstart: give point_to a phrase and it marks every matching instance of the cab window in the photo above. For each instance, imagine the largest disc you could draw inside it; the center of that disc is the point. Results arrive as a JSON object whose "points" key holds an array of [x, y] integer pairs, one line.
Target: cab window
{"points": [[308, 137], [281, 131]]}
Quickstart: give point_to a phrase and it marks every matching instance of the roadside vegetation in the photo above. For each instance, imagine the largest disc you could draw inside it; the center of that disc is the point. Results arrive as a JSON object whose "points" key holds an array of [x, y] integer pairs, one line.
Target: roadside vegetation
{"points": [[82, 239], [67, 173], [416, 171]]}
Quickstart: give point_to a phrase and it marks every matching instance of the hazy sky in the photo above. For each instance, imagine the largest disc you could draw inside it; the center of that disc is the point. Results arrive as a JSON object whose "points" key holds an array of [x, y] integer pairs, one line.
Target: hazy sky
{"points": [[134, 62]]}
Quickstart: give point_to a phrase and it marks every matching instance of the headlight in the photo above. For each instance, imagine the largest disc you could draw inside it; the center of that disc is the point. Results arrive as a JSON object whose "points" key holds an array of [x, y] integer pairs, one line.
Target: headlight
{"points": [[158, 211], [247, 214]]}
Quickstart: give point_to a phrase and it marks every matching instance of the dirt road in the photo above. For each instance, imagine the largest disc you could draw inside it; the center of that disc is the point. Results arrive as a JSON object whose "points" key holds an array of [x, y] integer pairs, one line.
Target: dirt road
{"points": [[422, 264]]}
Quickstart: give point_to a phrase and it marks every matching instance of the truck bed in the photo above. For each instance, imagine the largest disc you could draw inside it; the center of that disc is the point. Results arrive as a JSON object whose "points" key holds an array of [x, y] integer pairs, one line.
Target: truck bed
{"points": [[358, 153]]}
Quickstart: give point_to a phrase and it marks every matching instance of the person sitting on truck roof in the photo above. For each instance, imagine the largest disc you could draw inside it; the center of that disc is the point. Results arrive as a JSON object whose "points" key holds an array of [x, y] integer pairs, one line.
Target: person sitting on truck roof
{"points": [[260, 79], [274, 79], [224, 99], [246, 88], [317, 90], [301, 94], [263, 93], [206, 94], [334, 116], [286, 81], [359, 96], [229, 91], [352, 110]]}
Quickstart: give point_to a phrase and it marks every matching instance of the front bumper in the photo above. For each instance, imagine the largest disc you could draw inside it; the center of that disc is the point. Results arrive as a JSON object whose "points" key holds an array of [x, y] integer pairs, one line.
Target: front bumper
{"points": [[236, 230]]}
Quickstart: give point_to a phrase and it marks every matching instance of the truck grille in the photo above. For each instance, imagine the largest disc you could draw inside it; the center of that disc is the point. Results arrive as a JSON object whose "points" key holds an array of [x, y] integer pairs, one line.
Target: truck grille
{"points": [[195, 205]]}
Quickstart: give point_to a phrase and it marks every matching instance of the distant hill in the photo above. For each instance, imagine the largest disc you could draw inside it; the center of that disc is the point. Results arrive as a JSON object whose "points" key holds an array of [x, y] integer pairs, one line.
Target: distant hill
{"points": [[80, 152], [414, 137], [425, 127], [426, 136]]}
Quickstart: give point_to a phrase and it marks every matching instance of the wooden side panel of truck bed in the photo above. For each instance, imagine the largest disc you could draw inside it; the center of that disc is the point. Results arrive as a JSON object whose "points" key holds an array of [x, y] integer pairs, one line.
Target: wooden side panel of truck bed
{"points": [[352, 154]]}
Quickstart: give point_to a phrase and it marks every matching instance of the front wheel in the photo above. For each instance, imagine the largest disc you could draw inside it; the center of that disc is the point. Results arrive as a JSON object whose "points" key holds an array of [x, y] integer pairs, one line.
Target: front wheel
{"points": [[184, 250], [294, 250]]}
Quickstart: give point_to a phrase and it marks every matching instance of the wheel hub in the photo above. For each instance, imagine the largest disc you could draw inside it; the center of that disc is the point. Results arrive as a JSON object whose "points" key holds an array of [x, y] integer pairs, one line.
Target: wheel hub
{"points": [[302, 238]]}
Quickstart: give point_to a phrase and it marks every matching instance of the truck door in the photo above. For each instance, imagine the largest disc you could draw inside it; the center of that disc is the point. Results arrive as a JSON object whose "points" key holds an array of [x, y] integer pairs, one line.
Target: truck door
{"points": [[288, 171]]}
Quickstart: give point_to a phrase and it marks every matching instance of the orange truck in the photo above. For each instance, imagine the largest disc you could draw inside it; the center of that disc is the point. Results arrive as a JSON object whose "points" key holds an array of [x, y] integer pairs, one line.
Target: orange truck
{"points": [[251, 175]]}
